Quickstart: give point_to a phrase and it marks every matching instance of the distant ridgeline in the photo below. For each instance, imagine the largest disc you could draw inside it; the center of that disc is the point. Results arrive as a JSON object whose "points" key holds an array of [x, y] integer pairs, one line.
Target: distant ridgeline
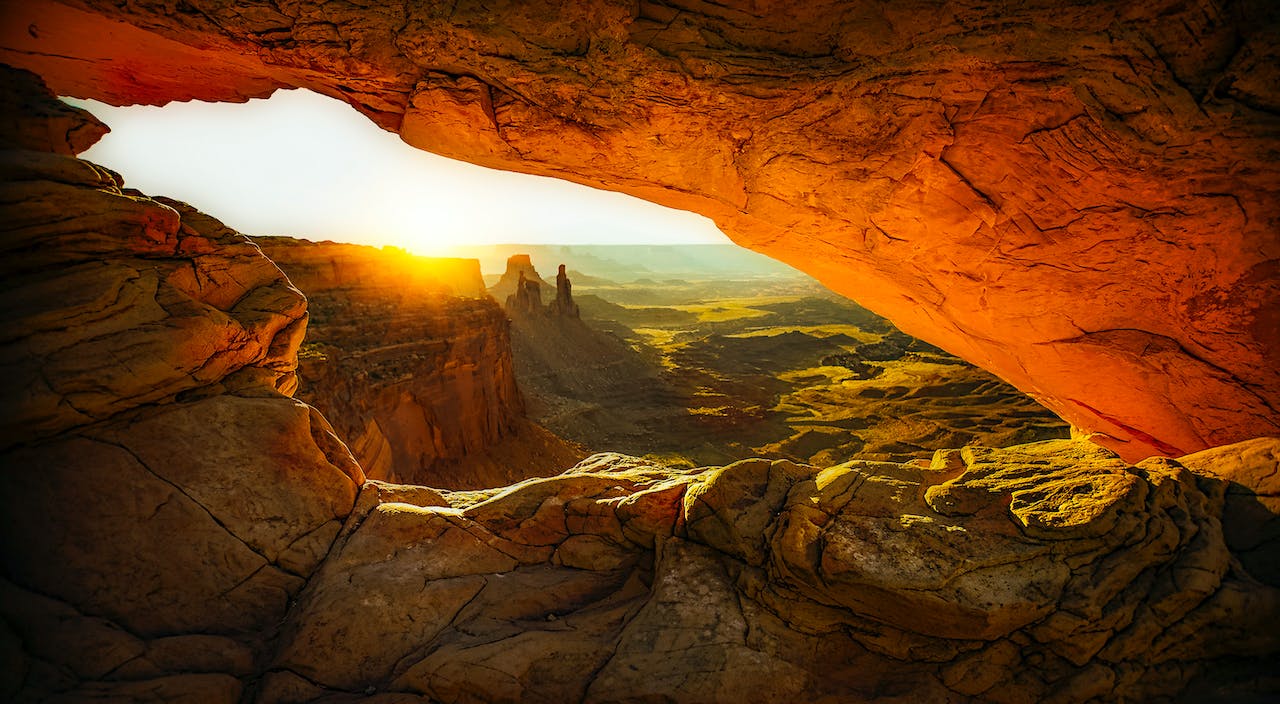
{"points": [[628, 262], [325, 265]]}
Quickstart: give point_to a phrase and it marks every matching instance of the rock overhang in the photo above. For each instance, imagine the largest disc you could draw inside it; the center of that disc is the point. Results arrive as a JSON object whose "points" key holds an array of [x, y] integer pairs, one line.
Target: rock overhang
{"points": [[223, 543], [1081, 199]]}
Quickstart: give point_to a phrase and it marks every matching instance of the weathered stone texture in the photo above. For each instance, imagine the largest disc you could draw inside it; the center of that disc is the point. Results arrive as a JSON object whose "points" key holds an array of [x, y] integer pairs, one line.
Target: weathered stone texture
{"points": [[411, 360], [1045, 572], [1041, 188], [177, 529], [563, 304], [518, 266], [163, 498], [114, 300]]}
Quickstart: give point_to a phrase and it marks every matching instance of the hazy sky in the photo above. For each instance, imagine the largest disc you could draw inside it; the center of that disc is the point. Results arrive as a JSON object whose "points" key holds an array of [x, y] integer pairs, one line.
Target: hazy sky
{"points": [[306, 165]]}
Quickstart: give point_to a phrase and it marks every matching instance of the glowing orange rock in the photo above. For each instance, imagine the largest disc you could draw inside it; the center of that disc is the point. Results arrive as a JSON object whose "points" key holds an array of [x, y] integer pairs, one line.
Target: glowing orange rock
{"points": [[1081, 199]]}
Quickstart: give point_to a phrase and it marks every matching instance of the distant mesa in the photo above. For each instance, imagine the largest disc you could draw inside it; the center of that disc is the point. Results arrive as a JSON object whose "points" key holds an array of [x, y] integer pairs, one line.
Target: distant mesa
{"points": [[518, 265], [527, 299], [588, 280], [522, 287], [379, 272]]}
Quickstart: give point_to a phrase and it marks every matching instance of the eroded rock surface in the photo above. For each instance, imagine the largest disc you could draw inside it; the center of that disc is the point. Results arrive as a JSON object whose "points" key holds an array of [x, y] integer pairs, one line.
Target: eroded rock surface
{"points": [[1040, 188], [526, 302], [412, 361], [563, 304], [176, 528], [1046, 572], [164, 499], [519, 266], [114, 300]]}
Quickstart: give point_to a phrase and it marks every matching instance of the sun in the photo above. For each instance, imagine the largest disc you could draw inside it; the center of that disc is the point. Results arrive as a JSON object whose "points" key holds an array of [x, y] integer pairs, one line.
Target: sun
{"points": [[305, 165]]}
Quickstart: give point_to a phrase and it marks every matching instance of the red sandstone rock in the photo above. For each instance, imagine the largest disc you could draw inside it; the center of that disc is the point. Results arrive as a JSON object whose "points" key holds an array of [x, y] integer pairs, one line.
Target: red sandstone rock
{"points": [[517, 265], [1079, 197], [211, 546], [563, 304], [199, 517], [526, 302], [158, 486], [39, 125], [770, 581], [411, 360], [117, 300]]}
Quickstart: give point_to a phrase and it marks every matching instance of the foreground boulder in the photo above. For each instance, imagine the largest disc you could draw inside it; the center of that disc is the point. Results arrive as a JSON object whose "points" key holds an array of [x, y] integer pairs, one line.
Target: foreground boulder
{"points": [[163, 498], [1045, 572], [1039, 188]]}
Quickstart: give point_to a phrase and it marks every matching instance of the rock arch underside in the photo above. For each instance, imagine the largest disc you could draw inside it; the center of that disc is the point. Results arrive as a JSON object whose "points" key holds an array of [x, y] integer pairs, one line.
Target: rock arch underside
{"points": [[1079, 197]]}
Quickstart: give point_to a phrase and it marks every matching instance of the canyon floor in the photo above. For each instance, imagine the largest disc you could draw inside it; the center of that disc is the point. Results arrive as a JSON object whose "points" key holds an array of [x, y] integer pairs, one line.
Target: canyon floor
{"points": [[742, 363]]}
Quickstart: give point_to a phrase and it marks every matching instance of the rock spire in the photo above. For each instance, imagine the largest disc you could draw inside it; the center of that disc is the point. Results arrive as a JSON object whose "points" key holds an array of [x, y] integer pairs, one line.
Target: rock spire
{"points": [[527, 298], [563, 305]]}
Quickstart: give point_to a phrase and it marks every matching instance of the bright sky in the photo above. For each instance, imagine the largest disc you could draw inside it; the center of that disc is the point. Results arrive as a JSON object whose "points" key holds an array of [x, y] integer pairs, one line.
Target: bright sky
{"points": [[309, 166]]}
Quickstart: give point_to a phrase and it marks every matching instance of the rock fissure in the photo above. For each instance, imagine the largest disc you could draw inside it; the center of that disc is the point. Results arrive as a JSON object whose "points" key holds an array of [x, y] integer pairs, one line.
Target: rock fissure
{"points": [[267, 562], [762, 581]]}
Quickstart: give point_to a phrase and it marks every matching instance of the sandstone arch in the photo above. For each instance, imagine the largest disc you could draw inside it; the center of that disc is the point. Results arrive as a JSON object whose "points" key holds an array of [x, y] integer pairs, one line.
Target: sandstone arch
{"points": [[176, 528], [1079, 198]]}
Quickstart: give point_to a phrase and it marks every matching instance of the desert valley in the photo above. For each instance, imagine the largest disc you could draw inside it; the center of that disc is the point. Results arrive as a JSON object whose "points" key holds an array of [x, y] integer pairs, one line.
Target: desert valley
{"points": [[981, 406]]}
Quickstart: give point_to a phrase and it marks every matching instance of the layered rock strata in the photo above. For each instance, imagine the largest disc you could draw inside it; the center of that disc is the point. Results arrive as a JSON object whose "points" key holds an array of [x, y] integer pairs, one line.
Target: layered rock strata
{"points": [[412, 361], [164, 499], [1045, 572], [1038, 188], [526, 301], [178, 529]]}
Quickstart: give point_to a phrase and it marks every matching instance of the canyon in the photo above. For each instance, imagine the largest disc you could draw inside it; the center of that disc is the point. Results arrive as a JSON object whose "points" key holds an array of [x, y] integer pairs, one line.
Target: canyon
{"points": [[741, 360], [411, 360], [1080, 198], [1037, 188]]}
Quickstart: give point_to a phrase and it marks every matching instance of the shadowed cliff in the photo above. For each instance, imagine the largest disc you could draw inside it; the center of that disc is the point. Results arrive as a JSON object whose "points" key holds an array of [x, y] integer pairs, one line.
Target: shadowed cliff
{"points": [[412, 360]]}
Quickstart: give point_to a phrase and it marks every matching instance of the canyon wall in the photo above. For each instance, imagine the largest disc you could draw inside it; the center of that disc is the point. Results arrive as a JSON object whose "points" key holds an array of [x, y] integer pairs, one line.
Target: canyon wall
{"points": [[373, 273], [1040, 188], [163, 498], [411, 360], [177, 529]]}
